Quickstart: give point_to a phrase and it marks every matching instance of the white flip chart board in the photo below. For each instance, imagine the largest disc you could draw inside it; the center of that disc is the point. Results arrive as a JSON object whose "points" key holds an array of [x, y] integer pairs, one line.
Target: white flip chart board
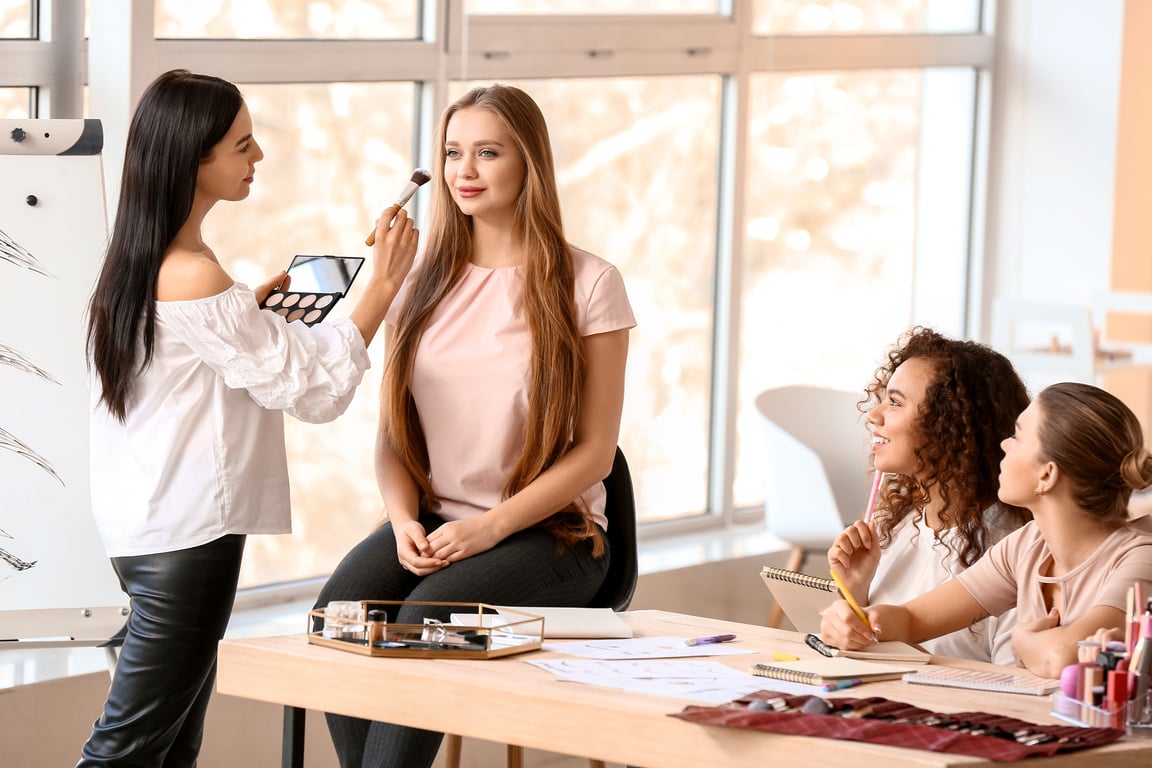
{"points": [[55, 579]]}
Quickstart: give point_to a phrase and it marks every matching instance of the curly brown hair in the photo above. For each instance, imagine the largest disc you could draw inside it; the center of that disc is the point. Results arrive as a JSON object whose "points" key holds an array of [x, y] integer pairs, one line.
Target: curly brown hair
{"points": [[970, 406]]}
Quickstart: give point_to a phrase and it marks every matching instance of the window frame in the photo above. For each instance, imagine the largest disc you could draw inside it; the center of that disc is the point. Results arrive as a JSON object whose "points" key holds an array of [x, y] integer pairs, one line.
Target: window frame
{"points": [[123, 56]]}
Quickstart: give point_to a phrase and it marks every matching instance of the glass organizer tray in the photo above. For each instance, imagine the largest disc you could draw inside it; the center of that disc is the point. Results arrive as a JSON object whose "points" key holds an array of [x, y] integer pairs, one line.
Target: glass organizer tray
{"points": [[474, 635]]}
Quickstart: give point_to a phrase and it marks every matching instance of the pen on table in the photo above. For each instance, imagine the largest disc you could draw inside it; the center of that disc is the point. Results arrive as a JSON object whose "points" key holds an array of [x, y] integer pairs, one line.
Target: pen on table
{"points": [[855, 606], [709, 640], [840, 685], [781, 656]]}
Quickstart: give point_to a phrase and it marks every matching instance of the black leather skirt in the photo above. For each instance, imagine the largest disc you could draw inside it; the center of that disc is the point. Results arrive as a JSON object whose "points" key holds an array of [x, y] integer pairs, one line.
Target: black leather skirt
{"points": [[181, 601]]}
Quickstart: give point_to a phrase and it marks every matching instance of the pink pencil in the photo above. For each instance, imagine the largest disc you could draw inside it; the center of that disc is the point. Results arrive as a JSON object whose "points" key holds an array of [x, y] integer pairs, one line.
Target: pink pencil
{"points": [[872, 496]]}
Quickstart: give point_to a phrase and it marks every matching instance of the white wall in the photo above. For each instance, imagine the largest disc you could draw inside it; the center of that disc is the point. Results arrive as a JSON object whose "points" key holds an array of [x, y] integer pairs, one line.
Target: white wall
{"points": [[1052, 172]]}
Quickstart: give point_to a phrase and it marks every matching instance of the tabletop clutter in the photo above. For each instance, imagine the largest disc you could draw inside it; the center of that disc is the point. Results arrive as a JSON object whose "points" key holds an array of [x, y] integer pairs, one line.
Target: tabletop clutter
{"points": [[1101, 702]]}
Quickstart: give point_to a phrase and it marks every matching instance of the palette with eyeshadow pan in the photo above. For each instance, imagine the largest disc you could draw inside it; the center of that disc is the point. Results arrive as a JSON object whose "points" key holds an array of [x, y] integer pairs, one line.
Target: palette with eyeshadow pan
{"points": [[317, 283]]}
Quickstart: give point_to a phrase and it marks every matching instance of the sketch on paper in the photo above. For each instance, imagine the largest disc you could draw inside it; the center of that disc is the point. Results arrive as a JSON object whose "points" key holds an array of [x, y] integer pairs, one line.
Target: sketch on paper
{"points": [[14, 253], [8, 441], [12, 358], [11, 559]]}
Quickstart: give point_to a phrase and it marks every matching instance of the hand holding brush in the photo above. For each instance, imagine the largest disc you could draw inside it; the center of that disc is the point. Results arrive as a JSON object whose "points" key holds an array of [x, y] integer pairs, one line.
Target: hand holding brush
{"points": [[419, 177]]}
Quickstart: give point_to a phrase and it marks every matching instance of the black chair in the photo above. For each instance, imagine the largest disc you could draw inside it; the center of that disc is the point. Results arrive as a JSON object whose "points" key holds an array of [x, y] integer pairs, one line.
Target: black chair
{"points": [[619, 583], [620, 509]]}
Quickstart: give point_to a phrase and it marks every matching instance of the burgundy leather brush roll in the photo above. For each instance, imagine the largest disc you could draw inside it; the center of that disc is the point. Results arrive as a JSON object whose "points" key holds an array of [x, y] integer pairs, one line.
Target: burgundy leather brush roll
{"points": [[882, 721]]}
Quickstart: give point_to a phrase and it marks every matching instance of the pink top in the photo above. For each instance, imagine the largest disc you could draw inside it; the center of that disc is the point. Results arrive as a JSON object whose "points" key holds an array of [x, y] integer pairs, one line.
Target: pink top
{"points": [[1009, 573], [470, 380]]}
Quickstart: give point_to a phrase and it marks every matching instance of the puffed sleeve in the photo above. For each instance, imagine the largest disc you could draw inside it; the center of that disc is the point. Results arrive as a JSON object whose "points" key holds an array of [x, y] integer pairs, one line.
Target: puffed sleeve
{"points": [[309, 372]]}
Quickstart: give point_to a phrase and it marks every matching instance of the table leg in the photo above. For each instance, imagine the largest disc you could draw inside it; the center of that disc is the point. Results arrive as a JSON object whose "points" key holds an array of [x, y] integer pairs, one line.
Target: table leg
{"points": [[293, 752]]}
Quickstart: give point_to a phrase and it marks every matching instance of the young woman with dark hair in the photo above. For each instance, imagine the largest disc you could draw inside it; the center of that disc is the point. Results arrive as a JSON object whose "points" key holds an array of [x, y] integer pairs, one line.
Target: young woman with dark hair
{"points": [[190, 381]]}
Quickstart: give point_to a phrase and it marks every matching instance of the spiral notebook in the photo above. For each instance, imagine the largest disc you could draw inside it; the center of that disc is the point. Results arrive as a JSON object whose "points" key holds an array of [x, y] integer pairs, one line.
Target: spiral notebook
{"points": [[800, 595], [824, 671], [982, 680]]}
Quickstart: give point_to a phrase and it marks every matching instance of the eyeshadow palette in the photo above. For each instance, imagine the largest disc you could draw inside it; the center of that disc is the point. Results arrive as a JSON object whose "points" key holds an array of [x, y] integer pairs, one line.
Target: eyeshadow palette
{"points": [[316, 283]]}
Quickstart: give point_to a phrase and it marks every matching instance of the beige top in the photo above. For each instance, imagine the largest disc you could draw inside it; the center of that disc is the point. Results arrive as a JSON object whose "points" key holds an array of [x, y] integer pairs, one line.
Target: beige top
{"points": [[1010, 573]]}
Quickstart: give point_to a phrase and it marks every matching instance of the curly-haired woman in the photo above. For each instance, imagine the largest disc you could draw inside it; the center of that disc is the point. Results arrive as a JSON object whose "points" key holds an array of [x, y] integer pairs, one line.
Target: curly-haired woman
{"points": [[937, 410]]}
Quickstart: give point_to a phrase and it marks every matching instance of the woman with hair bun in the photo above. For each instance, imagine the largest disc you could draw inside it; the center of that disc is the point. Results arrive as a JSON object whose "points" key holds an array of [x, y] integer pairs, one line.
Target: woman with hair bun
{"points": [[1075, 457]]}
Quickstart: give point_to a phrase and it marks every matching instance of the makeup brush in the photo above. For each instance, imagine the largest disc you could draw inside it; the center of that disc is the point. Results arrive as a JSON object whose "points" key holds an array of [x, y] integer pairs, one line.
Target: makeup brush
{"points": [[420, 176]]}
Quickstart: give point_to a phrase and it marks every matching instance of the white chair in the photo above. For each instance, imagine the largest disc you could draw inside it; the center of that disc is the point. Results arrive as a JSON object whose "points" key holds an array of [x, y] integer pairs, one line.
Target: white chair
{"points": [[817, 477]]}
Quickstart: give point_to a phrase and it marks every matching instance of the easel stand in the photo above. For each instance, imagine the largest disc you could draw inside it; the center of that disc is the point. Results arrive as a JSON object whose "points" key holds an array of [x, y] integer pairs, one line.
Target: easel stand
{"points": [[65, 628]]}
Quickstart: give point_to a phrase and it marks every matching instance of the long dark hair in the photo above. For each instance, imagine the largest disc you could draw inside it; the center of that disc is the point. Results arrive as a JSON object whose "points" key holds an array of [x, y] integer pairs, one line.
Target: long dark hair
{"points": [[179, 119], [970, 405]]}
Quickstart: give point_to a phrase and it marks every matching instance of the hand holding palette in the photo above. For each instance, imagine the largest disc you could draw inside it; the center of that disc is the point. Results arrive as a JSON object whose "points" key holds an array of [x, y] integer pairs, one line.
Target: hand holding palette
{"points": [[314, 285]]}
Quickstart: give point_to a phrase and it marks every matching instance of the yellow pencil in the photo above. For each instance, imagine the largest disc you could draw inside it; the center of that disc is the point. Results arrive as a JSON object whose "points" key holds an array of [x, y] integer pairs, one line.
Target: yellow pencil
{"points": [[852, 602]]}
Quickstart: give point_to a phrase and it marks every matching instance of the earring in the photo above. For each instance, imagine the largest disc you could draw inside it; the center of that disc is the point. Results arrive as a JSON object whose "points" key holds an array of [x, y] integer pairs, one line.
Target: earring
{"points": [[1040, 490]]}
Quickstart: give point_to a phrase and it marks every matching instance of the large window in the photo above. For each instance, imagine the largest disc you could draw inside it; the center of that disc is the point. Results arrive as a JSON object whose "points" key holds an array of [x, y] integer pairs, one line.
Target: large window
{"points": [[277, 19], [799, 17], [837, 165], [590, 6], [15, 18], [785, 185], [14, 102]]}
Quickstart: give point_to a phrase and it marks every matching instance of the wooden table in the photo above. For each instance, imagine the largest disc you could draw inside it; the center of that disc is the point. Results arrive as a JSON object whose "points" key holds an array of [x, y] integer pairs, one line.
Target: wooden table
{"points": [[505, 700]]}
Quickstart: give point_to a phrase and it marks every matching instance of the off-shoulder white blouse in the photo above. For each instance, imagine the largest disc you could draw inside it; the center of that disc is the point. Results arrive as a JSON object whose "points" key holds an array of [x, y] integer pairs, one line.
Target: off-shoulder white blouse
{"points": [[202, 452]]}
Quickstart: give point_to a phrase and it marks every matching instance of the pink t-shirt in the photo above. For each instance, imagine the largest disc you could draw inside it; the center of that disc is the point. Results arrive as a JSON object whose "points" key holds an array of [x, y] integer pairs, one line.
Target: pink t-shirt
{"points": [[1009, 573], [470, 379]]}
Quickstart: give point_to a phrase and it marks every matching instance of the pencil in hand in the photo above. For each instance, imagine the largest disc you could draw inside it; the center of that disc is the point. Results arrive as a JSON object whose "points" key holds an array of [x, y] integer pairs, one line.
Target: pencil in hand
{"points": [[855, 606], [419, 178], [877, 477]]}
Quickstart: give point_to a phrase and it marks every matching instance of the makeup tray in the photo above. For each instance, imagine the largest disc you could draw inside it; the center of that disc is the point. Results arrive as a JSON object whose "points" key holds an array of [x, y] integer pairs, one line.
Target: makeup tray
{"points": [[317, 283], [476, 631]]}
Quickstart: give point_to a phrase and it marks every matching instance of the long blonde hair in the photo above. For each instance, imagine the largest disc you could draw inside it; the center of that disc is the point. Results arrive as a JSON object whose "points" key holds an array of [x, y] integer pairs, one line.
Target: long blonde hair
{"points": [[557, 364]]}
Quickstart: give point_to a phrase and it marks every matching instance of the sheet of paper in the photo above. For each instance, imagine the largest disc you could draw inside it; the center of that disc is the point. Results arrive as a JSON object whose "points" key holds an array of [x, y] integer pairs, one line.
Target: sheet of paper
{"points": [[708, 681], [643, 648]]}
